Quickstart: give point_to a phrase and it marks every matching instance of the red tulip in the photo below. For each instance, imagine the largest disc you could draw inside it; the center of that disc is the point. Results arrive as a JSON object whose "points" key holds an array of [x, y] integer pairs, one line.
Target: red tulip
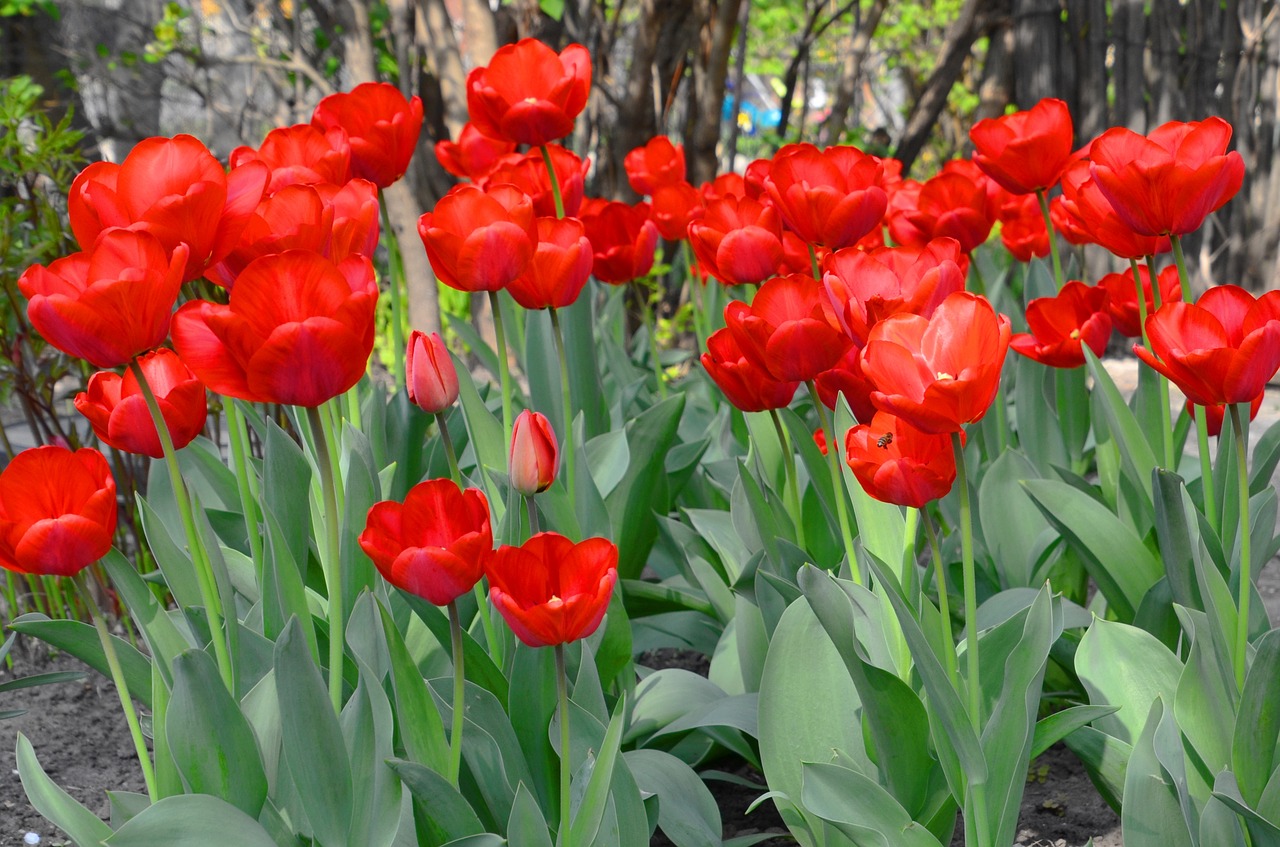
{"points": [[116, 408], [528, 172], [790, 329], [820, 440], [1027, 151], [897, 463], [1061, 325], [382, 125], [535, 456], [1214, 415], [300, 155], [1089, 218], [1122, 296], [559, 269], [57, 511], [846, 378], [433, 544], [738, 241], [1023, 232], [109, 304], [298, 330], [1168, 182], [429, 373], [746, 385], [674, 207], [866, 287], [657, 163], [174, 189], [950, 205], [355, 219], [938, 373], [528, 94], [479, 240], [724, 185], [831, 197], [551, 591], [623, 239], [1221, 349], [473, 155]]}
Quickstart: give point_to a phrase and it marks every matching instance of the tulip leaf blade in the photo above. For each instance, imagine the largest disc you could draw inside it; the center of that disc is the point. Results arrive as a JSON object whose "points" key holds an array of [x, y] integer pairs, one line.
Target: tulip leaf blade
{"points": [[687, 813], [1257, 727], [859, 806], [443, 815], [421, 729], [52, 802], [193, 820], [1150, 815], [527, 826], [591, 810], [643, 488], [1013, 524], [81, 640], [480, 668], [1121, 665], [1135, 448], [163, 638], [1054, 727]]}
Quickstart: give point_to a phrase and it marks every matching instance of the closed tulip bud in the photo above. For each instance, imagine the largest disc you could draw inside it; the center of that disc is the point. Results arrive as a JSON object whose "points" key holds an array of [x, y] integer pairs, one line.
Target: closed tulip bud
{"points": [[535, 456], [429, 372]]}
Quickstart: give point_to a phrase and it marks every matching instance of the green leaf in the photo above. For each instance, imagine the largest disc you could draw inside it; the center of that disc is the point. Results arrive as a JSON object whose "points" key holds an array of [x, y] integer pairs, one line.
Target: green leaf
{"points": [[446, 814], [170, 555], [81, 640], [421, 729], [314, 748], [1123, 666], [1013, 524], [860, 808], [1151, 816], [590, 812], [486, 437], [1135, 449], [531, 706], [192, 820], [480, 668], [209, 738], [163, 638], [1257, 727], [687, 813], [643, 489], [1115, 557], [527, 826], [53, 803], [1053, 728], [1105, 757]]}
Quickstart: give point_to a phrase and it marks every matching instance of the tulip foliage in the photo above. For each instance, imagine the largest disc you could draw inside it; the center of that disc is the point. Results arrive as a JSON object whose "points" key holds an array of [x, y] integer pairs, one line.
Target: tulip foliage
{"points": [[420, 608]]}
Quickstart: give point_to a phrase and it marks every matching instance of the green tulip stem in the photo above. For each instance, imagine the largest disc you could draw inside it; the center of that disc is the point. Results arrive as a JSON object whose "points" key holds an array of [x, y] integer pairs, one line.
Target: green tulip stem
{"points": [[701, 325], [793, 478], [1053, 238], [246, 481], [504, 369], [566, 400], [449, 453], [646, 315], [944, 602], [1202, 424], [396, 288], [551, 177], [122, 685], [1166, 423], [459, 695], [837, 480], [532, 511], [199, 556], [566, 765], [1240, 430], [813, 263], [332, 566], [970, 586]]}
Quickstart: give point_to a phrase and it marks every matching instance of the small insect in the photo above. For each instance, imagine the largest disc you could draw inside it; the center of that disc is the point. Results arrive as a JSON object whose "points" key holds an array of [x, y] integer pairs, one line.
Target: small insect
{"points": [[885, 440]]}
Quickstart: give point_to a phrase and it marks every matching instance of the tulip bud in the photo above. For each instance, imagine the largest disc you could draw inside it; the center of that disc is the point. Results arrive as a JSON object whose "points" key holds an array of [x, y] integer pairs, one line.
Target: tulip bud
{"points": [[429, 372], [535, 457]]}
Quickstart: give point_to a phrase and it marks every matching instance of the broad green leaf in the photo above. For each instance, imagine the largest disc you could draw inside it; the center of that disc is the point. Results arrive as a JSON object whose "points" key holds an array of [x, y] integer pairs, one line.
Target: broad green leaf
{"points": [[1178, 533], [170, 554], [1105, 756], [1263, 832], [664, 697], [209, 738], [589, 813], [860, 808], [360, 492], [421, 730], [527, 826], [1151, 816], [192, 820], [480, 668], [485, 437], [1139, 460], [444, 812], [643, 489], [1123, 666], [532, 705], [53, 803], [163, 638], [81, 640], [687, 813], [1012, 524], [1206, 692], [1257, 726], [1054, 727]]}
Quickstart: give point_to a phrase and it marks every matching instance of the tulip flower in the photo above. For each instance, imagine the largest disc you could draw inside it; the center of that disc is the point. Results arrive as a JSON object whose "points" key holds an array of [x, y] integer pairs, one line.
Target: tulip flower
{"points": [[789, 330], [1221, 349], [559, 269], [724, 185], [551, 591], [300, 155], [673, 208], [473, 155], [1168, 182], [528, 172], [174, 189], [1027, 151], [942, 372], [867, 287], [950, 205], [1023, 232], [535, 456], [657, 163], [298, 329], [355, 219], [430, 375], [1089, 218], [897, 463], [433, 544], [1063, 324], [738, 240], [820, 440], [830, 197], [382, 125], [57, 511], [528, 93], [846, 378], [1122, 296], [109, 304], [747, 386], [1214, 415], [623, 239], [117, 409], [479, 240]]}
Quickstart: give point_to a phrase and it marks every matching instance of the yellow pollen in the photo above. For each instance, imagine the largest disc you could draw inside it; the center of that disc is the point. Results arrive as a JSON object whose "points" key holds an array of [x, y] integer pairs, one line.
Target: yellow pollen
{"points": [[1075, 333], [531, 99], [945, 375]]}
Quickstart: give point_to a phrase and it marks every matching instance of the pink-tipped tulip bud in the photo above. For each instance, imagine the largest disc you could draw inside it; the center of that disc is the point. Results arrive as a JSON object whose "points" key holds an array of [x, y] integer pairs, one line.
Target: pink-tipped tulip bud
{"points": [[429, 372], [535, 457]]}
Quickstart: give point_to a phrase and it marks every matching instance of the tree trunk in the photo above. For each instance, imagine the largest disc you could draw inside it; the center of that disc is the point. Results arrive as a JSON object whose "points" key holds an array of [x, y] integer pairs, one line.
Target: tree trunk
{"points": [[855, 53], [996, 89], [739, 81], [711, 71]]}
